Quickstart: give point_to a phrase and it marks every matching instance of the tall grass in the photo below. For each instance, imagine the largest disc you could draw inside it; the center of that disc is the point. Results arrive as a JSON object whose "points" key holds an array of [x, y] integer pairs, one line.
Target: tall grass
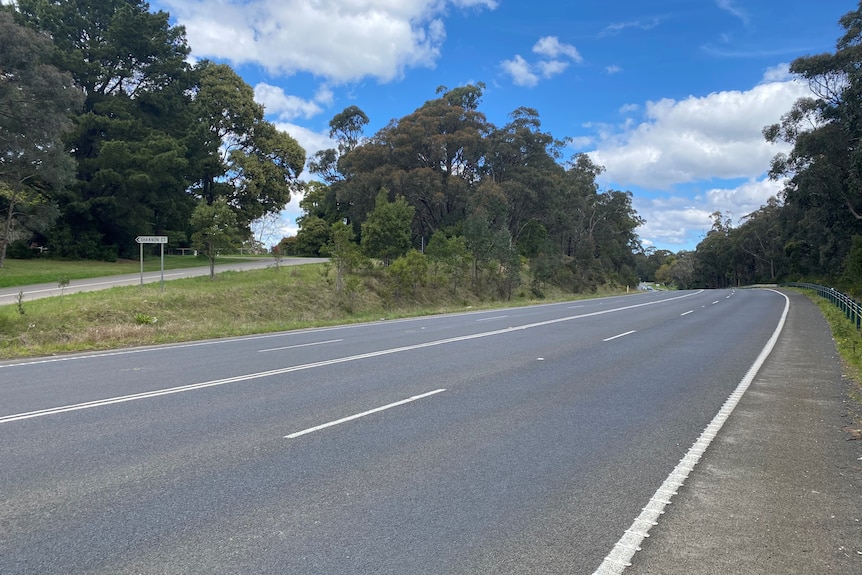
{"points": [[235, 303]]}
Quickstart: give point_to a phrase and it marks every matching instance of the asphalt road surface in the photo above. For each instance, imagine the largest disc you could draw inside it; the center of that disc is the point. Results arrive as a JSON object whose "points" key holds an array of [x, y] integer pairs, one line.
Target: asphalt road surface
{"points": [[511, 441]]}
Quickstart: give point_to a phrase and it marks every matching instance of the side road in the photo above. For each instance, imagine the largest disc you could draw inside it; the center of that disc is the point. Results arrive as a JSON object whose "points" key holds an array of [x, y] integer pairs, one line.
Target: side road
{"points": [[779, 490], [10, 295]]}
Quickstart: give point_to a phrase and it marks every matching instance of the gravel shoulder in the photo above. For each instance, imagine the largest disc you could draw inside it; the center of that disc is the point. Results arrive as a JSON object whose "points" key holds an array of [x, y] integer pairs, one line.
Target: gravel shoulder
{"points": [[780, 488]]}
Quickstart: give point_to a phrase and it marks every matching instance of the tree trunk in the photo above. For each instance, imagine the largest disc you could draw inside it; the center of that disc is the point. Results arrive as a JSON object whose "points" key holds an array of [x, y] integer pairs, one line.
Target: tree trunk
{"points": [[7, 229]]}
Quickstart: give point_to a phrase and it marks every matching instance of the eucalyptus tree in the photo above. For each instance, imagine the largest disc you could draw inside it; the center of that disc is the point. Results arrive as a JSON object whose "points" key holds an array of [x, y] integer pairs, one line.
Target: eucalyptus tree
{"points": [[37, 102], [522, 160], [824, 168], [433, 157]]}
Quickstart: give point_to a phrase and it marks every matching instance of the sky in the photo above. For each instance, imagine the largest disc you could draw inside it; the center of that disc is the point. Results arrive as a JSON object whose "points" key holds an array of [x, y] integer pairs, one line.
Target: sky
{"points": [[670, 96]]}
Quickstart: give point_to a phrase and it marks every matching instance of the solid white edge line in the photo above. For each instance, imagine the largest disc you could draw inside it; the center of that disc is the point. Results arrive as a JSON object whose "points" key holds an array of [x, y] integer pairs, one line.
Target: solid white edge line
{"points": [[363, 414], [620, 556]]}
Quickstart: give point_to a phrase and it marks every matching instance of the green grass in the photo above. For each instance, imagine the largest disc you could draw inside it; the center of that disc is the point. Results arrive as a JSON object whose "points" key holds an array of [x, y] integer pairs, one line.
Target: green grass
{"points": [[42, 270], [235, 303], [848, 341]]}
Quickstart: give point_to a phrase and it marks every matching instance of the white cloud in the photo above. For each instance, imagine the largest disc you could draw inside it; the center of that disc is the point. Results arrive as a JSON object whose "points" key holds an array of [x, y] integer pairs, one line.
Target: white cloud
{"points": [[715, 136], [613, 69], [618, 27], [672, 223], [549, 69], [696, 156], [676, 222], [551, 47], [520, 71], [779, 73], [744, 199], [310, 140], [283, 106], [337, 40], [524, 73]]}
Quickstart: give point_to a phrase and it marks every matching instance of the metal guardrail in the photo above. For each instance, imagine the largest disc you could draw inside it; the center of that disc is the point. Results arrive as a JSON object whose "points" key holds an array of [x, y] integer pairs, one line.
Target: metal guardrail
{"points": [[851, 308]]}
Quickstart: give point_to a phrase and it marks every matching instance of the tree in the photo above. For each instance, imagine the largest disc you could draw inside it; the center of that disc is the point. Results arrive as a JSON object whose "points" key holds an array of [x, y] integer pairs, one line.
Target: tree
{"points": [[386, 232], [129, 143], [242, 158], [36, 105], [432, 157], [343, 252], [823, 171], [215, 228]]}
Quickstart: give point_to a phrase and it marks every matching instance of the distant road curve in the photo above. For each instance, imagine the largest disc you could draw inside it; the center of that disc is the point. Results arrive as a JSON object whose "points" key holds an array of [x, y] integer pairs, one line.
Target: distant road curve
{"points": [[9, 295]]}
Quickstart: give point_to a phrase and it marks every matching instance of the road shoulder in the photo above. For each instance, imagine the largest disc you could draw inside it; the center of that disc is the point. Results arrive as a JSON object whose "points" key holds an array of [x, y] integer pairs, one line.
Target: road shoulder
{"points": [[780, 488]]}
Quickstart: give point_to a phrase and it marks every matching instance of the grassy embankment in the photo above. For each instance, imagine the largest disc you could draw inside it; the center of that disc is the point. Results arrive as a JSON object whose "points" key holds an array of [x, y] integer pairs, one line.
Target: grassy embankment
{"points": [[235, 303]]}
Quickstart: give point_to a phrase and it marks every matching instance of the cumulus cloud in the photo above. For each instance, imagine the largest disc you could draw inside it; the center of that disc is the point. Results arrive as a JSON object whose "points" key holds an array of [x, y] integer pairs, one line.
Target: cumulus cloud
{"points": [[285, 107], [715, 136], [339, 41], [692, 157], [676, 221], [551, 47], [520, 71], [524, 73]]}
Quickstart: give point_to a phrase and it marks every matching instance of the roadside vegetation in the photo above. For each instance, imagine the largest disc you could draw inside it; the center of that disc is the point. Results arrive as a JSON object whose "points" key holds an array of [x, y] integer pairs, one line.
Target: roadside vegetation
{"points": [[237, 303], [848, 341]]}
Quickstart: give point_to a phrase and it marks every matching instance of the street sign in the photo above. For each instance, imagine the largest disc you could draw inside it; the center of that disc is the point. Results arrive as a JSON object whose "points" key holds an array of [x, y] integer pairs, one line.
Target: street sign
{"points": [[152, 239]]}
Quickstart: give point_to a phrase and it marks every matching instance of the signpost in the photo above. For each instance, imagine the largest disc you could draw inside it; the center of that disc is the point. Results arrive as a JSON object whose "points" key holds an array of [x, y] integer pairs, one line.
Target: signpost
{"points": [[161, 240]]}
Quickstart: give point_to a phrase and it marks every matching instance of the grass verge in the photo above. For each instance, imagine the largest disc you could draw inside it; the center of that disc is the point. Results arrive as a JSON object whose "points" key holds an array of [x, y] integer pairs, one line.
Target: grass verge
{"points": [[848, 341], [234, 304], [45, 271]]}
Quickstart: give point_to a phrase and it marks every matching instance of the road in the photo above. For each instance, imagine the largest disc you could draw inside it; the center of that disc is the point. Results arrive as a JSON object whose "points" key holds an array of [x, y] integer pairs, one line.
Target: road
{"points": [[511, 441], [10, 295]]}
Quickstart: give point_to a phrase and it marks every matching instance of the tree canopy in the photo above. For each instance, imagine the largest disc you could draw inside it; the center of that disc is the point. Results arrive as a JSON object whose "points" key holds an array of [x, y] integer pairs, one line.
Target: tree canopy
{"points": [[156, 134], [809, 230]]}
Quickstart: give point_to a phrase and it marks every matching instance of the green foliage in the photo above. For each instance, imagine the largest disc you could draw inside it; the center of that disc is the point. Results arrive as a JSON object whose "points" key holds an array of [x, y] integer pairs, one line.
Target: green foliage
{"points": [[386, 232], [145, 319], [157, 135], [344, 253], [807, 230], [197, 308], [215, 228], [36, 100], [408, 273], [312, 237]]}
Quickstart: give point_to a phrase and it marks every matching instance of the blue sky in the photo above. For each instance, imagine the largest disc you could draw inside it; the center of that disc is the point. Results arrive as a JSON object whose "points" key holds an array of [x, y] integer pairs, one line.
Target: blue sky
{"points": [[670, 96]]}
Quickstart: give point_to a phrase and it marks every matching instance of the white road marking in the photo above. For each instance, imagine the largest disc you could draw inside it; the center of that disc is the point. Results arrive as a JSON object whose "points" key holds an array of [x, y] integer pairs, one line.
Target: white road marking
{"points": [[619, 336], [687, 312], [299, 345], [492, 318], [715, 302], [620, 556], [262, 374], [363, 414]]}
